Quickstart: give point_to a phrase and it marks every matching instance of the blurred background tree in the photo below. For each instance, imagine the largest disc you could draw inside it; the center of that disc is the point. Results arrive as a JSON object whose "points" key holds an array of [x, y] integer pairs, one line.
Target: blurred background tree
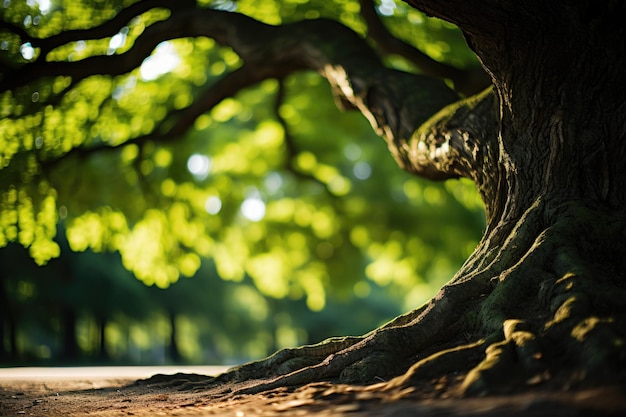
{"points": [[291, 219]]}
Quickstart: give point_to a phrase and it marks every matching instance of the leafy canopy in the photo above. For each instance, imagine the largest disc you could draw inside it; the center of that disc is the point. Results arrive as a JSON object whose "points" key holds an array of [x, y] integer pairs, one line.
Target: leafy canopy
{"points": [[273, 182]]}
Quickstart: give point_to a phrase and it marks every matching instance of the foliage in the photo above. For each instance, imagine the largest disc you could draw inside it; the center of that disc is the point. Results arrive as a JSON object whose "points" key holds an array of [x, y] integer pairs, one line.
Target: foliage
{"points": [[218, 322], [273, 184]]}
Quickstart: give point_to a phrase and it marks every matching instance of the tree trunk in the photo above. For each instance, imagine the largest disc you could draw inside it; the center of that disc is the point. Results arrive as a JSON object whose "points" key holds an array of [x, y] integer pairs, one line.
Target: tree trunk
{"points": [[554, 250], [3, 351], [13, 347], [8, 324], [69, 350], [4, 318], [8, 332], [542, 299], [103, 353], [174, 352]]}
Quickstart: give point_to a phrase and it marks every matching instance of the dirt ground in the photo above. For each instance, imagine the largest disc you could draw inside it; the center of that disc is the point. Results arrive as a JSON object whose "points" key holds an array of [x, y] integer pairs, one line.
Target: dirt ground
{"points": [[183, 395]]}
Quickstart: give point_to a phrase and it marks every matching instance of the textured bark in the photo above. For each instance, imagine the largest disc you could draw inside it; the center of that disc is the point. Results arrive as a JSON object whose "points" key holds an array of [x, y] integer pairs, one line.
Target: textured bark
{"points": [[542, 300]]}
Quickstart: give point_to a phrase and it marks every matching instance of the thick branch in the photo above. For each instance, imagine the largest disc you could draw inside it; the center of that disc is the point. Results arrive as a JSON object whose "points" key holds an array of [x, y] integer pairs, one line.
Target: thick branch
{"points": [[396, 103], [472, 17], [108, 28], [459, 139], [467, 82], [291, 148]]}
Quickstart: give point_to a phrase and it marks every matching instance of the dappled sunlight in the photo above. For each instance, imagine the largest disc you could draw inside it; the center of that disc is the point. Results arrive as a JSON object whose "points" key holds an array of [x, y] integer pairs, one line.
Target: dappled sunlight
{"points": [[268, 271], [313, 280], [199, 166], [226, 110], [164, 60], [27, 51], [213, 204], [118, 41], [141, 252], [43, 5], [362, 170], [31, 222], [95, 230], [253, 208]]}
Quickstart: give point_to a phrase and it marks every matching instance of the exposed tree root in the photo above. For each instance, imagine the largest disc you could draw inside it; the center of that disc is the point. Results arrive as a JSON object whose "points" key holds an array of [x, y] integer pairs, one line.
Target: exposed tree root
{"points": [[536, 311]]}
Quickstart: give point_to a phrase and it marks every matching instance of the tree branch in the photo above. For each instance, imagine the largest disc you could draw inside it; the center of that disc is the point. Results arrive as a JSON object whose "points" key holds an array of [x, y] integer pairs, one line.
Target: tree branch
{"points": [[467, 82], [227, 86], [472, 17], [396, 103], [291, 147], [459, 140], [106, 29]]}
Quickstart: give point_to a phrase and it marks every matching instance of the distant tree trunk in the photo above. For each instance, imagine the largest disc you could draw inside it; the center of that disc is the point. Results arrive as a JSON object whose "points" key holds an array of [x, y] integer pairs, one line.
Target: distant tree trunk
{"points": [[4, 316], [15, 353], [70, 350], [12, 334], [8, 325], [174, 352], [103, 353], [3, 351], [8, 339]]}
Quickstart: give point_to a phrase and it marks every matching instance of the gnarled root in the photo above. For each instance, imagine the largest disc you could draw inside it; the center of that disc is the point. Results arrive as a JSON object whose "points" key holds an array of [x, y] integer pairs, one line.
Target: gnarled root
{"points": [[548, 309], [377, 356], [562, 309]]}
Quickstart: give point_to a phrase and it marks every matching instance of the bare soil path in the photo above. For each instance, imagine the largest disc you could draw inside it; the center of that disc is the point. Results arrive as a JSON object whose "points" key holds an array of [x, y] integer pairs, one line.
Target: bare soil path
{"points": [[113, 391]]}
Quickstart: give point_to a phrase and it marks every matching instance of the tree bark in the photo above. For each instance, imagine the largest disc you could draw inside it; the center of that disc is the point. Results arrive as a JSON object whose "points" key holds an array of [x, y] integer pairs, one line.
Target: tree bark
{"points": [[542, 300], [551, 262]]}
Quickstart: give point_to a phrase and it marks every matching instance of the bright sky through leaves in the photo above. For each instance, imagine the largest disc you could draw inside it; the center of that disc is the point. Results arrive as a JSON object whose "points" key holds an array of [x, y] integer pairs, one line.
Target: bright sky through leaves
{"points": [[117, 41], [387, 7], [163, 60], [43, 5], [27, 51], [362, 170], [213, 204], [253, 208], [199, 166]]}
